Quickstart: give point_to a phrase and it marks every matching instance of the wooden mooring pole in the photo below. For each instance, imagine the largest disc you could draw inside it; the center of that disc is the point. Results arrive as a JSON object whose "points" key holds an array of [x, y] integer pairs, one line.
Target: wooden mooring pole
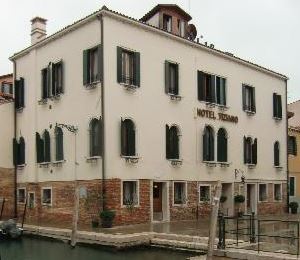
{"points": [[214, 220]]}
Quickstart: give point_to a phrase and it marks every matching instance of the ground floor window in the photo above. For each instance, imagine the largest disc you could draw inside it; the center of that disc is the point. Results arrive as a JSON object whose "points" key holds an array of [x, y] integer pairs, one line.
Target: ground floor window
{"points": [[204, 193], [179, 192], [130, 191], [292, 191], [277, 192], [31, 200], [262, 192], [21, 195], [47, 196]]}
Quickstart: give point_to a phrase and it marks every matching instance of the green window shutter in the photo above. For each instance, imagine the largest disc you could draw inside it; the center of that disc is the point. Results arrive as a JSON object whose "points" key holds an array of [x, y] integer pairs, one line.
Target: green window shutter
{"points": [[212, 97], [131, 138], [276, 154], [205, 149], [44, 83], [253, 100], [244, 98], [101, 145], [176, 144], [274, 105], [177, 80], [85, 69], [223, 92], [21, 152], [47, 148], [15, 152], [218, 90], [62, 87], [211, 147], [167, 142], [245, 149], [59, 144], [52, 76], [167, 77], [137, 69], [254, 151], [119, 64], [201, 86], [22, 93], [37, 145], [222, 146], [279, 106], [123, 138], [17, 93], [100, 62]]}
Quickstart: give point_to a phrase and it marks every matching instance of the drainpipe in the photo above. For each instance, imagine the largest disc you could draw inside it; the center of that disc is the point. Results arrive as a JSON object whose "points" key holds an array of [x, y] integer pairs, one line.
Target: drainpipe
{"points": [[15, 136], [287, 154]]}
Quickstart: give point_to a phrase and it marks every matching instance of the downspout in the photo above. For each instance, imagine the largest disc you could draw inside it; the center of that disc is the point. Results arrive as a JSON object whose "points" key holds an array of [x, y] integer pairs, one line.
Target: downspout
{"points": [[287, 154], [15, 136]]}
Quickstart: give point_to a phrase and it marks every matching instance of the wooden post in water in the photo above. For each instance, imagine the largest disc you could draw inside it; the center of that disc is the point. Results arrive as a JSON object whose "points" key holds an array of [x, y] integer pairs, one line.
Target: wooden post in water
{"points": [[214, 220]]}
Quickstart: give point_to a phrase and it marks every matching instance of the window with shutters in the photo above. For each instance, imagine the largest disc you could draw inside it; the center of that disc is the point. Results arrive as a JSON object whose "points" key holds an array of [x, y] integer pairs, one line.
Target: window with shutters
{"points": [[19, 94], [43, 153], [21, 196], [208, 144], [222, 145], [19, 152], [204, 193], [179, 196], [171, 78], [128, 138], [292, 186], [46, 83], [57, 79], [95, 137], [276, 154], [130, 193], [292, 145], [59, 144], [92, 65], [128, 67], [249, 99], [277, 191], [277, 106], [172, 142], [250, 151], [47, 196], [262, 192]]}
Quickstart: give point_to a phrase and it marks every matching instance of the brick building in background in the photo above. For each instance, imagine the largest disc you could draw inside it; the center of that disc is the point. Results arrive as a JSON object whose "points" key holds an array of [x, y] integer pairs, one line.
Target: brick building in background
{"points": [[160, 117]]}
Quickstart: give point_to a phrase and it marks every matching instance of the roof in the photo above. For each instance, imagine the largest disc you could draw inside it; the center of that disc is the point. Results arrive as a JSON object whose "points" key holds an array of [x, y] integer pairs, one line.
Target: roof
{"points": [[105, 10], [157, 8], [6, 75]]}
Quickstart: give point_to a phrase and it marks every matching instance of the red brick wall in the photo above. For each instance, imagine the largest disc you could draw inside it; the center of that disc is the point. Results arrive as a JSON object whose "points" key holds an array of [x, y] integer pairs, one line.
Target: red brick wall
{"points": [[7, 189]]}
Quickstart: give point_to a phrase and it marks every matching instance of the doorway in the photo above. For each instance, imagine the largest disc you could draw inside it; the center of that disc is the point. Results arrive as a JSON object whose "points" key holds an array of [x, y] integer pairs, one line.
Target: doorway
{"points": [[159, 201], [227, 206], [251, 198]]}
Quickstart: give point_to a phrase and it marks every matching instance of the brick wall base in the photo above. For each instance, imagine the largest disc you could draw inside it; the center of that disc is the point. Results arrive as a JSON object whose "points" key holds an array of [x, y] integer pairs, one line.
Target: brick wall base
{"points": [[7, 190]]}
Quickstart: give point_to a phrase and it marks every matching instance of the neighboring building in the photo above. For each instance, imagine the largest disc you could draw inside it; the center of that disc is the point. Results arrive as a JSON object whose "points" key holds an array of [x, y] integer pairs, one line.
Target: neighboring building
{"points": [[293, 151], [160, 119]]}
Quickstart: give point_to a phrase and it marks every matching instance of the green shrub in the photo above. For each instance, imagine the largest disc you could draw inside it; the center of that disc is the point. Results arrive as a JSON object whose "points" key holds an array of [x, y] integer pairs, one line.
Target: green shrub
{"points": [[239, 198], [107, 215]]}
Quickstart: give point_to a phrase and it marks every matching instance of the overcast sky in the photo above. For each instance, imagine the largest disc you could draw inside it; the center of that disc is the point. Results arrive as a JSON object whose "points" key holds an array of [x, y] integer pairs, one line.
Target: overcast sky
{"points": [[262, 31]]}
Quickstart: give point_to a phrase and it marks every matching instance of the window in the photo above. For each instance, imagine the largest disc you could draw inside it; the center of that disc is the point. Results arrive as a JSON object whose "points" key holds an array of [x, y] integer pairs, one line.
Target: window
{"points": [[130, 193], [204, 193], [127, 138], [208, 144], [171, 78], [31, 200], [128, 67], [276, 154], [95, 137], [19, 152], [262, 190], [292, 187], [46, 83], [59, 144], [181, 27], [292, 145], [57, 79], [19, 94], [47, 196], [277, 192], [92, 65], [167, 23], [172, 142], [249, 99], [250, 150], [277, 106], [43, 153], [179, 193], [6, 88], [222, 145], [221, 91], [21, 195]]}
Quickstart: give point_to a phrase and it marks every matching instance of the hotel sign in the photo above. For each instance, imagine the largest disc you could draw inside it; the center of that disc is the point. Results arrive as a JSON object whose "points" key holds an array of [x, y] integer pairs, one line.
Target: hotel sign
{"points": [[216, 116]]}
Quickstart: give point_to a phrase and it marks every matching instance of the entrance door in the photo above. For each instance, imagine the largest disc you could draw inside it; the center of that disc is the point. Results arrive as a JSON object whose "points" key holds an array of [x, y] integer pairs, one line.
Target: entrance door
{"points": [[251, 198], [157, 201]]}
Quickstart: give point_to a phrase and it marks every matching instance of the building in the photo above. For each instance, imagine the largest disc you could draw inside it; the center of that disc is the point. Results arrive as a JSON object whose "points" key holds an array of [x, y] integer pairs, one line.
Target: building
{"points": [[294, 156], [145, 119]]}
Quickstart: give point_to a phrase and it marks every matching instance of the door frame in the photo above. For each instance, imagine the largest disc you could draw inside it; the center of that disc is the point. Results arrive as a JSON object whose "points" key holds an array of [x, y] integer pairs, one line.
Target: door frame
{"points": [[165, 200], [255, 191]]}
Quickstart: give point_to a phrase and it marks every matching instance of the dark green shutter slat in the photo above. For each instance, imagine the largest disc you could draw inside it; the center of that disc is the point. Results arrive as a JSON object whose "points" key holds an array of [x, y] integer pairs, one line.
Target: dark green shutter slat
{"points": [[245, 149], [85, 68], [167, 77], [119, 64], [254, 152], [274, 105], [100, 62], [279, 106], [137, 73], [244, 97], [15, 152]]}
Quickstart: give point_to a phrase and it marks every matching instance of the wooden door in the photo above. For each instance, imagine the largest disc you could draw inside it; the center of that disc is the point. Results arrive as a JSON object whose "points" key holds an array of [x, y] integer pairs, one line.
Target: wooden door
{"points": [[157, 197]]}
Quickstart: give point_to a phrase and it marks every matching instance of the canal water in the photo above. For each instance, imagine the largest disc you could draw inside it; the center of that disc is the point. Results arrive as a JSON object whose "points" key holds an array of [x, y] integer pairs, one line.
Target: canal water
{"points": [[32, 248]]}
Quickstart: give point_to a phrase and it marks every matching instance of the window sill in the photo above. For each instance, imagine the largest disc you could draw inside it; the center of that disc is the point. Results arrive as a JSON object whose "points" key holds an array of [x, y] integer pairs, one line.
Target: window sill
{"points": [[222, 107], [277, 119], [93, 159], [180, 205], [20, 110], [47, 205], [251, 165], [44, 164], [262, 201], [129, 87], [131, 159], [223, 164], [174, 97], [58, 163], [250, 113], [279, 168], [56, 97], [21, 166], [278, 200], [175, 162], [43, 101], [92, 85], [210, 163]]}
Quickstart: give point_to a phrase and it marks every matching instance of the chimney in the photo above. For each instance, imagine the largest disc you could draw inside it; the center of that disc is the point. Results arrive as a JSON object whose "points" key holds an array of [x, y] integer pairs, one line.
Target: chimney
{"points": [[38, 29]]}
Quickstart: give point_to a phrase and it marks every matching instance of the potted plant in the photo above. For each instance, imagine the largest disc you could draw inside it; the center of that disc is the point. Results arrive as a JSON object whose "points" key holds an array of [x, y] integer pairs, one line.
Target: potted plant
{"points": [[107, 218], [92, 203], [223, 199], [239, 199], [294, 207]]}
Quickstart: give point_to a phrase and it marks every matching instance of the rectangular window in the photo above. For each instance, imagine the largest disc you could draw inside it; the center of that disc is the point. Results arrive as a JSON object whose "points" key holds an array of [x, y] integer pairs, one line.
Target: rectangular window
{"points": [[277, 106], [45, 83], [171, 78], [31, 200], [127, 67], [221, 91], [130, 193], [249, 99], [57, 79], [47, 196], [6, 88], [277, 192], [292, 188], [262, 190], [204, 193], [92, 65], [19, 94], [167, 23], [21, 195], [292, 145], [179, 193]]}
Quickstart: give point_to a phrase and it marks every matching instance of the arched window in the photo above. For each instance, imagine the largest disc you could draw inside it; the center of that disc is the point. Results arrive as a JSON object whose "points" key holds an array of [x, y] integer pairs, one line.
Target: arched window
{"points": [[208, 144], [250, 150], [47, 150], [59, 144], [95, 138], [21, 152], [127, 138], [276, 154], [172, 142], [222, 145]]}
